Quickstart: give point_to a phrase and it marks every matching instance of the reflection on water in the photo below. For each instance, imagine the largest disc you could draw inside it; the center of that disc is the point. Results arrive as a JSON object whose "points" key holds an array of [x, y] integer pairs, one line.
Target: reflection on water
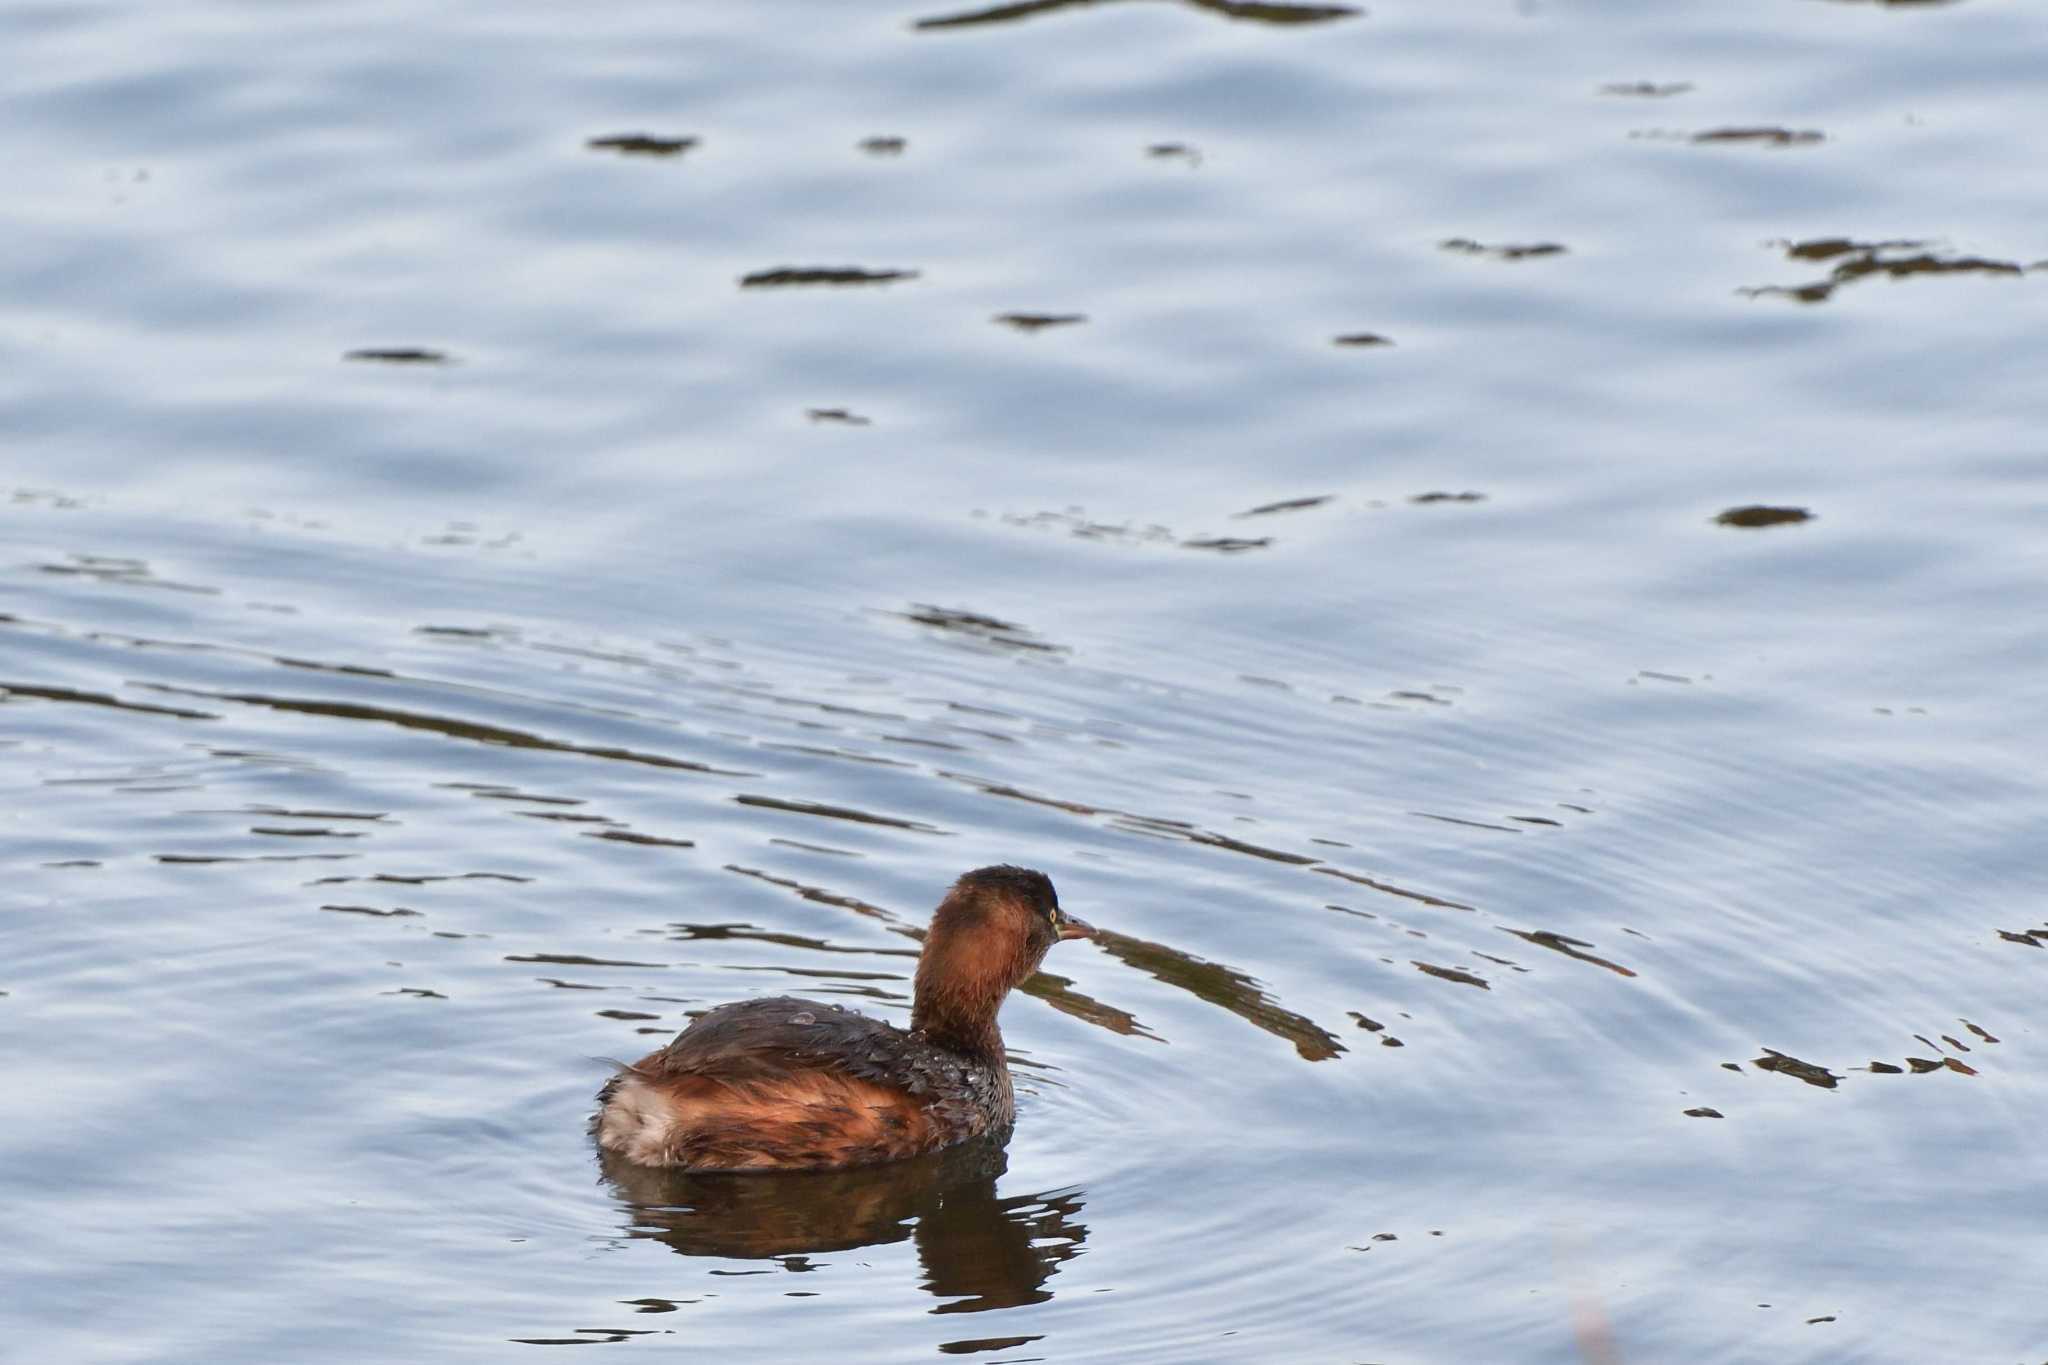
{"points": [[1756, 515], [76, 697], [1228, 545], [1760, 136], [116, 570], [1822, 1078], [641, 144], [1647, 89], [1855, 261], [1503, 251], [979, 627], [782, 277], [843, 416], [399, 355], [1251, 10], [1288, 504], [452, 727], [1769, 137], [1570, 947], [1039, 322], [978, 1251], [1224, 986]]}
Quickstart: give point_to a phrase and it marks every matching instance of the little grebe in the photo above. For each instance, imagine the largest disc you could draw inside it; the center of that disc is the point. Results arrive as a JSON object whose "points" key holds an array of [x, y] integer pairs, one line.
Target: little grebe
{"points": [[789, 1084]]}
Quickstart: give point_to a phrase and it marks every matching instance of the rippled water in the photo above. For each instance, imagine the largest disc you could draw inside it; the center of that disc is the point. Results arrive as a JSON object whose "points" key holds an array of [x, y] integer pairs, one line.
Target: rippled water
{"points": [[1495, 549]]}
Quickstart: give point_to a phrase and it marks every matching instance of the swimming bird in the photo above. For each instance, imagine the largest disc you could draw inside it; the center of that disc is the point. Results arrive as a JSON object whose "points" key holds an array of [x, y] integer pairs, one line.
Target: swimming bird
{"points": [[786, 1084]]}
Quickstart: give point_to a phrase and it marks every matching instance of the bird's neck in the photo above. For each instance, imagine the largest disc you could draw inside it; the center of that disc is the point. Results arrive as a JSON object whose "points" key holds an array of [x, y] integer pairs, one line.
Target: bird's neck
{"points": [[957, 1002]]}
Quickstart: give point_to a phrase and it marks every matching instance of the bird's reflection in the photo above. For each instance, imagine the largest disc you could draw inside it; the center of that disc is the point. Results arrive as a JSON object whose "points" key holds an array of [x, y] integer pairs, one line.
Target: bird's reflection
{"points": [[977, 1251]]}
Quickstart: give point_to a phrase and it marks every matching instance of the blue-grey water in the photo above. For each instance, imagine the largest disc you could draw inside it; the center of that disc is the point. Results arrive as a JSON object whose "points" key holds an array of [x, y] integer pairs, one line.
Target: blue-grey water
{"points": [[1498, 549]]}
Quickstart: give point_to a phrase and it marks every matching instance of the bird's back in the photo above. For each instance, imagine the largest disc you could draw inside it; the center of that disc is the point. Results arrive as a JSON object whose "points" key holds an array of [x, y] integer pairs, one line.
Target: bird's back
{"points": [[784, 1083]]}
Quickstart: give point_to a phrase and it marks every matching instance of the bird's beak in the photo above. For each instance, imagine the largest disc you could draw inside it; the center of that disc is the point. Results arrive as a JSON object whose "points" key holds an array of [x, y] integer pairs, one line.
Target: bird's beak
{"points": [[1074, 928]]}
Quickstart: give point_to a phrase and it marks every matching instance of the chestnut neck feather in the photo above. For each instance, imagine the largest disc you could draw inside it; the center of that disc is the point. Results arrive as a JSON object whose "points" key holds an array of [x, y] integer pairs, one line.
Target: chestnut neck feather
{"points": [[970, 961]]}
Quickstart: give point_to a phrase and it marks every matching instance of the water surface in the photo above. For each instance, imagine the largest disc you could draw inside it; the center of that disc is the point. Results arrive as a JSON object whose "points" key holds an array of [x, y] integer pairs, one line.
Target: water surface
{"points": [[1495, 549]]}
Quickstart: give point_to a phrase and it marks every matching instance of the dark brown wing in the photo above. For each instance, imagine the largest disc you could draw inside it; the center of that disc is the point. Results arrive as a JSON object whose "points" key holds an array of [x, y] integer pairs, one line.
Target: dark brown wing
{"points": [[789, 1083], [759, 1039]]}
